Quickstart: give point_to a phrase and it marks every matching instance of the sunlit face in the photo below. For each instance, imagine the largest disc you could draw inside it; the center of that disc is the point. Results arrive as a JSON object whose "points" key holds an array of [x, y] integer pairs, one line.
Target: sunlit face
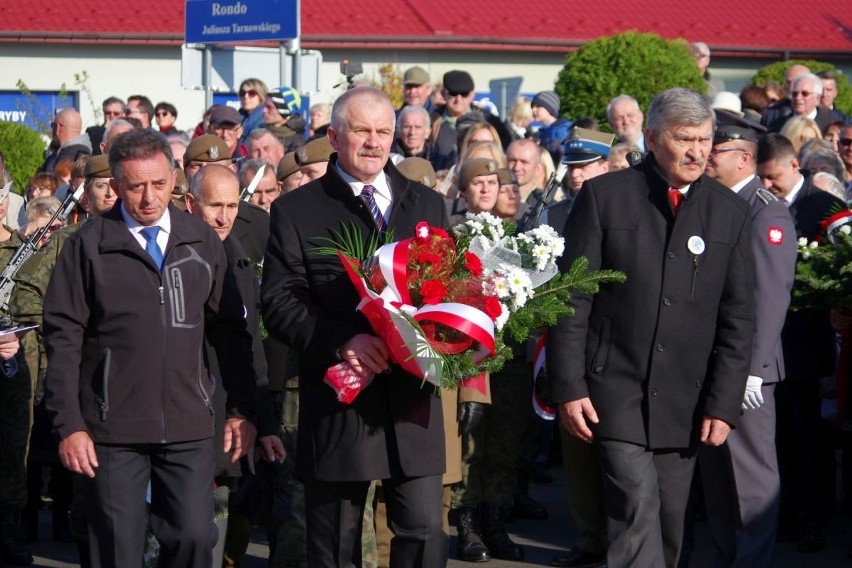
{"points": [[804, 96], [100, 196], [112, 111], [525, 161], [779, 176], [230, 133], [726, 161], [681, 151], [145, 187], [311, 172], [508, 201], [249, 98], [178, 150], [626, 120], [414, 129], [832, 135], [164, 118], [540, 114], [416, 94], [132, 110], [458, 103], [844, 147], [581, 172], [829, 93], [271, 116], [218, 203], [481, 193], [266, 191], [267, 147], [363, 143], [319, 117], [291, 182]]}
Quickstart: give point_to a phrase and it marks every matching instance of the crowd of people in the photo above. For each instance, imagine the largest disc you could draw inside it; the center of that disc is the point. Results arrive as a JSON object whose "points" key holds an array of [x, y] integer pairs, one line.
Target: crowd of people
{"points": [[185, 323]]}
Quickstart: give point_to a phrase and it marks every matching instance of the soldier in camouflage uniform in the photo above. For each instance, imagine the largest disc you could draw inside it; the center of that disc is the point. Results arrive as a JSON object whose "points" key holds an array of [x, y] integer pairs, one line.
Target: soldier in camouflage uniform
{"points": [[15, 418], [28, 297]]}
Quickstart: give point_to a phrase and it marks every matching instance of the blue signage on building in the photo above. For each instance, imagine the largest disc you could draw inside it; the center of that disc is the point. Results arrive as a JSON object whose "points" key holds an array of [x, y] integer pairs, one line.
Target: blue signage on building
{"points": [[241, 20], [35, 109]]}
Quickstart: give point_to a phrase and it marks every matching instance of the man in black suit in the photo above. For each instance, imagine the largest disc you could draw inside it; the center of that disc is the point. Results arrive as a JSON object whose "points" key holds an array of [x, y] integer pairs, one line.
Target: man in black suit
{"points": [[649, 368], [808, 342], [393, 430], [805, 94], [740, 478], [783, 108]]}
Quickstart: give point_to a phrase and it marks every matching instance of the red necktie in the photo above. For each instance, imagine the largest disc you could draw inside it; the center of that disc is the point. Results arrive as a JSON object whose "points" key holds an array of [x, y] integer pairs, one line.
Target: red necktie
{"points": [[675, 197]]}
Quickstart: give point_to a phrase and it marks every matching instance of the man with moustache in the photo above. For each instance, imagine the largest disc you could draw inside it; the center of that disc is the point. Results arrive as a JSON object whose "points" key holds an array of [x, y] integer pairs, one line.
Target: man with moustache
{"points": [[393, 430], [649, 368]]}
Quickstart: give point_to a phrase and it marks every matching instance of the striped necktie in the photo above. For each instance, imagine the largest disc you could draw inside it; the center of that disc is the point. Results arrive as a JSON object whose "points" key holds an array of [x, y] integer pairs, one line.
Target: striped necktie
{"points": [[367, 195]]}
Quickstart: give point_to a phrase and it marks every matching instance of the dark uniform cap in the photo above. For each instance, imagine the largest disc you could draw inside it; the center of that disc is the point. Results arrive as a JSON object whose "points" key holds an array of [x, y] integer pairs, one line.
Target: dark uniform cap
{"points": [[221, 114], [415, 76], [476, 167], [585, 146], [287, 166], [458, 81], [419, 170], [98, 167], [729, 126], [315, 151], [181, 188], [207, 148], [506, 177]]}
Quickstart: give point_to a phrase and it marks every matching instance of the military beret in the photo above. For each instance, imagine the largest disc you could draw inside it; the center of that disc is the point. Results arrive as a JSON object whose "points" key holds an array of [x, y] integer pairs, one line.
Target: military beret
{"points": [[458, 81], [221, 114], [97, 167], [315, 151], [207, 148], [287, 166], [476, 167], [506, 177], [730, 126], [585, 146], [415, 76], [419, 170]]}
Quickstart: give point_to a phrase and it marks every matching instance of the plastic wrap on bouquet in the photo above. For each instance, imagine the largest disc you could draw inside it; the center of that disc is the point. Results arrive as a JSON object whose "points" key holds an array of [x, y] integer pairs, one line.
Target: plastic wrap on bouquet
{"points": [[346, 382]]}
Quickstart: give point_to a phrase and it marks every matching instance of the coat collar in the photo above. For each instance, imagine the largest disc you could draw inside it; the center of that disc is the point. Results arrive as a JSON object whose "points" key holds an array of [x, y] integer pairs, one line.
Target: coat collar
{"points": [[115, 235]]}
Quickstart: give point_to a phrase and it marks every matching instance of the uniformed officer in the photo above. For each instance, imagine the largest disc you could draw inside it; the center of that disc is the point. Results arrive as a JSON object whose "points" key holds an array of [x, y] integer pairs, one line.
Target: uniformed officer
{"points": [[586, 153], [740, 478]]}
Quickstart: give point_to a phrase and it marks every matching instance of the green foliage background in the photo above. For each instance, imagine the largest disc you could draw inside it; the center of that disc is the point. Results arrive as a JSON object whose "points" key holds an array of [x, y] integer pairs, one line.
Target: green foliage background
{"points": [[23, 150], [778, 70], [637, 64]]}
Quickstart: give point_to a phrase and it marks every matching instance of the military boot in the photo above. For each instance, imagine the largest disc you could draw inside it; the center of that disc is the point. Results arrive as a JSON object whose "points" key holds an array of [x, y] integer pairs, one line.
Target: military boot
{"points": [[495, 536], [12, 551], [469, 544]]}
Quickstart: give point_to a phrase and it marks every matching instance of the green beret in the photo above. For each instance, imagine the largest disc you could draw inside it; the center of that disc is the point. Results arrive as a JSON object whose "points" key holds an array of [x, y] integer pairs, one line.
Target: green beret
{"points": [[207, 148], [476, 167], [506, 177], [287, 166], [97, 167], [315, 151], [419, 170]]}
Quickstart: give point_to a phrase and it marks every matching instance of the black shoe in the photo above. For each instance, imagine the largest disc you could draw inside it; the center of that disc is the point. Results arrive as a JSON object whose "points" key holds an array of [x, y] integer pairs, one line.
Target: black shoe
{"points": [[525, 507], [811, 540], [578, 558], [469, 545], [495, 537]]}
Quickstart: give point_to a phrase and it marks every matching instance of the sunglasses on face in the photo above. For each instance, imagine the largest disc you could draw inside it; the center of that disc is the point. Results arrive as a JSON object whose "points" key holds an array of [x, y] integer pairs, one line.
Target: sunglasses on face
{"points": [[458, 93], [112, 113], [163, 113], [805, 94], [248, 92], [845, 141]]}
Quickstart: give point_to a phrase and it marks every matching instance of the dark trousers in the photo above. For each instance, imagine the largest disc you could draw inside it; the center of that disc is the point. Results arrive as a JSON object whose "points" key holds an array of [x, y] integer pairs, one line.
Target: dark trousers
{"points": [[585, 493], [335, 510], [645, 494], [181, 477]]}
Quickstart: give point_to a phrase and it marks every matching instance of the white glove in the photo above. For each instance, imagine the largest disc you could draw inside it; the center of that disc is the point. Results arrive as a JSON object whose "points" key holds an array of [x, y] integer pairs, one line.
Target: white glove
{"points": [[753, 397]]}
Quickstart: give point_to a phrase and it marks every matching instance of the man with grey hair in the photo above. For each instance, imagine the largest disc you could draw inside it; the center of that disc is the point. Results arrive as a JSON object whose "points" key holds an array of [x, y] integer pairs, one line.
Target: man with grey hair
{"points": [[784, 106], [393, 431], [823, 160], [267, 190], [625, 118], [805, 93], [667, 352], [412, 132], [262, 143], [701, 52]]}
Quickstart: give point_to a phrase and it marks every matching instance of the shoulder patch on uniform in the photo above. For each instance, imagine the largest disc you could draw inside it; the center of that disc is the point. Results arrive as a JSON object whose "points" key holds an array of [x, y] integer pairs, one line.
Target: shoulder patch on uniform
{"points": [[775, 235], [765, 195]]}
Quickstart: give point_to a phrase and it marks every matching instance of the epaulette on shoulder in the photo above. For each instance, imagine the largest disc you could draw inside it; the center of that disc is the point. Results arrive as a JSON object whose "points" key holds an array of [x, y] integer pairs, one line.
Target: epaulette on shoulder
{"points": [[765, 195]]}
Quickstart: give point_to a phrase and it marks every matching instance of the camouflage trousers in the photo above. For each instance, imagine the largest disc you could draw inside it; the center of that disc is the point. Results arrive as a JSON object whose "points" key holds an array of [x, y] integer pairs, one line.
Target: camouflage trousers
{"points": [[16, 418], [490, 452]]}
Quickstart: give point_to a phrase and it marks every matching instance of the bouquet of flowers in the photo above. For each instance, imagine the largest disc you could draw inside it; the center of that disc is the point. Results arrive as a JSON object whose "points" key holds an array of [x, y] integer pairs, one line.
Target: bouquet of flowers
{"points": [[442, 302]]}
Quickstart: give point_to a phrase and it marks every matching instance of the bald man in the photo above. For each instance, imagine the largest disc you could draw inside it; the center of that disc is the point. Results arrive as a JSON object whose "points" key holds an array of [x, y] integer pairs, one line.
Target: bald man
{"points": [[67, 143]]}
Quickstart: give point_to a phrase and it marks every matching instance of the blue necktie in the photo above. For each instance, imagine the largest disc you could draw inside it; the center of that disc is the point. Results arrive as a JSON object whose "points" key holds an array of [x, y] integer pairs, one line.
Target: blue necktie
{"points": [[151, 246], [367, 196]]}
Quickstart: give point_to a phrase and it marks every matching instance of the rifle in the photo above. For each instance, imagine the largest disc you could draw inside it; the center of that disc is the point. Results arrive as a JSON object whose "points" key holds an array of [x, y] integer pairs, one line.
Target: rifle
{"points": [[542, 199], [246, 194], [29, 248]]}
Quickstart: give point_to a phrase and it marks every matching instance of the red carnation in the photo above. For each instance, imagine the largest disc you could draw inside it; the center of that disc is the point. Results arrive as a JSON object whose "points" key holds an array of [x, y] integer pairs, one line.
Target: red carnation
{"points": [[472, 263], [430, 257], [433, 291], [493, 308]]}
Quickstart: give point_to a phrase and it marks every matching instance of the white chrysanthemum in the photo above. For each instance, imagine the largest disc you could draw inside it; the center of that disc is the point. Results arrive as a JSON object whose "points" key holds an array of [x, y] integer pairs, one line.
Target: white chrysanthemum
{"points": [[501, 286], [806, 255], [813, 244], [541, 254], [501, 320], [803, 242], [845, 229]]}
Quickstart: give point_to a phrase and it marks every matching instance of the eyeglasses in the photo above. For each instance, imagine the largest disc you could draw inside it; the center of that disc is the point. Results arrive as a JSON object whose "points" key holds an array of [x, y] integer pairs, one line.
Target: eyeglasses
{"points": [[113, 113], [715, 151], [845, 141], [452, 94], [220, 130], [804, 94], [249, 92]]}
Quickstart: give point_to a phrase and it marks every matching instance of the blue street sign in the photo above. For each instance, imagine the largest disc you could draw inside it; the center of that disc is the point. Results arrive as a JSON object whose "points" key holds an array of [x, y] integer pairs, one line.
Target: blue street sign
{"points": [[210, 21]]}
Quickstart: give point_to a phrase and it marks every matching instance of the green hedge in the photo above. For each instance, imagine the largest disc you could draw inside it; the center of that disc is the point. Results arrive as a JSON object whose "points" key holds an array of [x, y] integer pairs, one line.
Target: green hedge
{"points": [[637, 64], [23, 151], [778, 71]]}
